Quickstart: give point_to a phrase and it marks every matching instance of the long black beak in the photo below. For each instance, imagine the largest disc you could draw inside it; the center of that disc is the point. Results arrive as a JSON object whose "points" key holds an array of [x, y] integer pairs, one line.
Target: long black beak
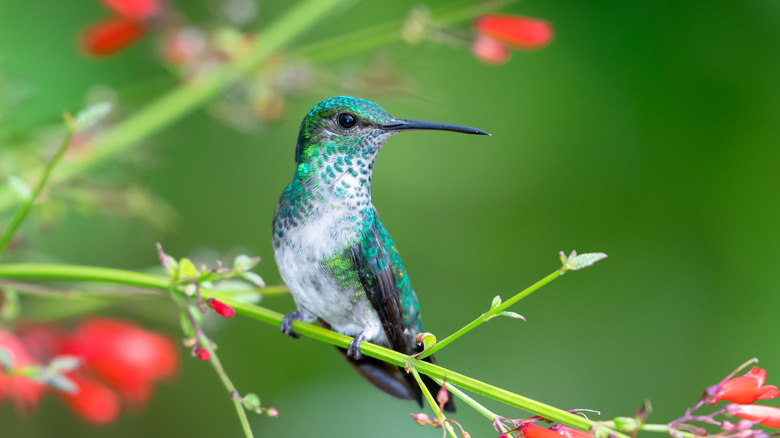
{"points": [[408, 125]]}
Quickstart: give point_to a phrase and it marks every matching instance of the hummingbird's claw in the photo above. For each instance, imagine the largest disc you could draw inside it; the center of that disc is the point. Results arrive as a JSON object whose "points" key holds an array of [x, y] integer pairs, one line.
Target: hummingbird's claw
{"points": [[287, 324], [354, 347]]}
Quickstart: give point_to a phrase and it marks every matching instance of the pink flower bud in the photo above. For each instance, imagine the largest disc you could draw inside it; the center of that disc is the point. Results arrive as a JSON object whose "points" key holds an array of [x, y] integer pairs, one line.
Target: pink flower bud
{"points": [[221, 308], [442, 397], [421, 418], [272, 412], [766, 415]]}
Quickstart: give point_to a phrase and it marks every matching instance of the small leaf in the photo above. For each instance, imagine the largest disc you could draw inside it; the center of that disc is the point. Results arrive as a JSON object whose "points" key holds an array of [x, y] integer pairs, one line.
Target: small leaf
{"points": [[244, 262], [10, 307], [169, 263], [65, 363], [91, 115], [512, 315], [61, 383], [19, 187], [496, 302], [6, 359], [252, 401], [187, 269], [253, 278], [576, 262], [186, 326]]}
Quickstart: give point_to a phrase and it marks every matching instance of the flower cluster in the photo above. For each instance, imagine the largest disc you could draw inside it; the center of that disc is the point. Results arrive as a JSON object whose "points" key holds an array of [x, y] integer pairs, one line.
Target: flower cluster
{"points": [[111, 362]]}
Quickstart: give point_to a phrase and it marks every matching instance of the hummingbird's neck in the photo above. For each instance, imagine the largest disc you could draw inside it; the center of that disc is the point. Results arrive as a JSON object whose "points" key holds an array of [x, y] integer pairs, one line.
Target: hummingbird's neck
{"points": [[335, 180]]}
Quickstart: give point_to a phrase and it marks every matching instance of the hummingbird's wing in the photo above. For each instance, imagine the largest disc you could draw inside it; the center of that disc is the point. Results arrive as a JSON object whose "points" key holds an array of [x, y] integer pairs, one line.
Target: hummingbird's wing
{"points": [[387, 288]]}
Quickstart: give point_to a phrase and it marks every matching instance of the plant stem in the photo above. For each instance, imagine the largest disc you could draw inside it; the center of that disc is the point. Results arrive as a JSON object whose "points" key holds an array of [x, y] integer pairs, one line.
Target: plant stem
{"points": [[94, 274], [488, 315], [24, 209], [432, 402]]}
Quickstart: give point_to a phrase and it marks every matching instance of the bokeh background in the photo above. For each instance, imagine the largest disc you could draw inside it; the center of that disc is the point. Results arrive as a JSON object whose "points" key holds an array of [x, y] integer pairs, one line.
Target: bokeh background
{"points": [[647, 130]]}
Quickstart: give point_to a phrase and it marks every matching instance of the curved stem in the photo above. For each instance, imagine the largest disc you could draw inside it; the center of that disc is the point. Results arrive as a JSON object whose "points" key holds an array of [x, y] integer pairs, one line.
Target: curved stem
{"points": [[490, 314], [24, 209], [116, 276]]}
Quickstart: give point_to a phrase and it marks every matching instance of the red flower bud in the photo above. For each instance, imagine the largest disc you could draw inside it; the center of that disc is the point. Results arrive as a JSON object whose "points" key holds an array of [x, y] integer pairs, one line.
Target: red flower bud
{"points": [[569, 432], [766, 415], [203, 354], [107, 37], [221, 308], [272, 412], [515, 31], [530, 430]]}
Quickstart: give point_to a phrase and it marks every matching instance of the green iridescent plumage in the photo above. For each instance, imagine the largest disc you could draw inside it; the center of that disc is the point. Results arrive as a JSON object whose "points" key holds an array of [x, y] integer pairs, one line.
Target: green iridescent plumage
{"points": [[332, 250]]}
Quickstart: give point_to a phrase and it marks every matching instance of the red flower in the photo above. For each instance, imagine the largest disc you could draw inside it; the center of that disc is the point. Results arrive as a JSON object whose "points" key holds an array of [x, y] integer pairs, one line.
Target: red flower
{"points": [[94, 402], [530, 430], [569, 432], [766, 415], [497, 33], [745, 389], [221, 308], [123, 355], [23, 392], [126, 26]]}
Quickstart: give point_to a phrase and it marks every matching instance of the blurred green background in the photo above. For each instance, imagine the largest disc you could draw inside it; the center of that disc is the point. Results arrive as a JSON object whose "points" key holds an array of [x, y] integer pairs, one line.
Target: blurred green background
{"points": [[647, 130]]}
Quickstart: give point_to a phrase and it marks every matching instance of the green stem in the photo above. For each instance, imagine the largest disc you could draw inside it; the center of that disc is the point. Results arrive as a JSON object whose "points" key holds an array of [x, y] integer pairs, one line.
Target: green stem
{"points": [[432, 402], [490, 415], [24, 209], [94, 274], [491, 313]]}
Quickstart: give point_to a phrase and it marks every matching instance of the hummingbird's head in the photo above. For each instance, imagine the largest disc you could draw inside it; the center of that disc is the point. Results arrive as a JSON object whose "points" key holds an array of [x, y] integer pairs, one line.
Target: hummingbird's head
{"points": [[342, 125], [355, 127]]}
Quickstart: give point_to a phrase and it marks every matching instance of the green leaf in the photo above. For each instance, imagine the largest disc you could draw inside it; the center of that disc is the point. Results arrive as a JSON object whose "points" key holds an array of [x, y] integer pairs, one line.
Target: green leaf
{"points": [[512, 315], [10, 307], [252, 401], [6, 359], [496, 302], [91, 115], [186, 326], [427, 340], [253, 278], [244, 262], [65, 363], [575, 262], [61, 383], [19, 187], [187, 269]]}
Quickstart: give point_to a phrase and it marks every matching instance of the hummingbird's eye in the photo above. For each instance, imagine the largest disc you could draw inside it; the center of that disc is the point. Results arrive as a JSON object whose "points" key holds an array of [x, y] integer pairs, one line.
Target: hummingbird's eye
{"points": [[347, 120]]}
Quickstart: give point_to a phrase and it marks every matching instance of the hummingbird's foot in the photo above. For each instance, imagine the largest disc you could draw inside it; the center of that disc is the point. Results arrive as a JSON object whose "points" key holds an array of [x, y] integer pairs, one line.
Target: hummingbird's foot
{"points": [[354, 347], [287, 324]]}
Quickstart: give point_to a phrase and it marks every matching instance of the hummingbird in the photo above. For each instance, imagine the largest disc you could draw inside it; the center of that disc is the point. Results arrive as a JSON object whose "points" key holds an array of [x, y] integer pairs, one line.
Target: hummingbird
{"points": [[334, 254]]}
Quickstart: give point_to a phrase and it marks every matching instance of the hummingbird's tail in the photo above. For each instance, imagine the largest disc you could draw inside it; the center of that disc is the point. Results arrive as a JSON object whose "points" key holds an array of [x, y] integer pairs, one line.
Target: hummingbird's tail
{"points": [[395, 380]]}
